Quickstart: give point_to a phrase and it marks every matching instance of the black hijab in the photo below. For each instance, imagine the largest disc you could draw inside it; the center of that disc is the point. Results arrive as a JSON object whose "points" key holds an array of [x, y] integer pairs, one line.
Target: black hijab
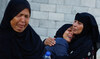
{"points": [[82, 44], [13, 8], [61, 30], [14, 45]]}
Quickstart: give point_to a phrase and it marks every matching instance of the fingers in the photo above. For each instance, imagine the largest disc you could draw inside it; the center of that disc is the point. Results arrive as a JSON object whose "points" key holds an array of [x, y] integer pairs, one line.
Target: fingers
{"points": [[50, 41]]}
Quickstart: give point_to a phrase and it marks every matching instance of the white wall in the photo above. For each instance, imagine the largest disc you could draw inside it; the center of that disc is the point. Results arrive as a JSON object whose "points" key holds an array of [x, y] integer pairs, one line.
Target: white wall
{"points": [[3, 4]]}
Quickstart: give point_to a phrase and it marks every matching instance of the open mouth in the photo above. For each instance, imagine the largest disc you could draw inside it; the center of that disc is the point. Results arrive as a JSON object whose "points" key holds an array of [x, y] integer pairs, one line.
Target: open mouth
{"points": [[70, 37], [21, 26]]}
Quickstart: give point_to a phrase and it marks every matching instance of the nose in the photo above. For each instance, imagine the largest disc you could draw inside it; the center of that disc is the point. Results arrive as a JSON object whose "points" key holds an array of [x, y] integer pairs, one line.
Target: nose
{"points": [[74, 24], [71, 32], [22, 19]]}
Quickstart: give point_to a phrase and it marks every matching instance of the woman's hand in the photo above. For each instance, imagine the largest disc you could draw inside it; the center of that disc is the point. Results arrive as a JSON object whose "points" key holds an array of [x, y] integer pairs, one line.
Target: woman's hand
{"points": [[50, 41]]}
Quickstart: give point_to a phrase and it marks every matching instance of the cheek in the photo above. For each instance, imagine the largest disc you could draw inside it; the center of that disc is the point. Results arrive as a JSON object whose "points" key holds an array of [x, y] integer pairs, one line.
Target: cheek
{"points": [[66, 33], [80, 28], [27, 21], [13, 22]]}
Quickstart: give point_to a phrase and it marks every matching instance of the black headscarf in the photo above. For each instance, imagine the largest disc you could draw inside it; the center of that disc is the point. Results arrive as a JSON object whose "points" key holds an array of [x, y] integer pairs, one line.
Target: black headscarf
{"points": [[89, 23], [14, 45], [13, 8], [61, 30], [82, 44]]}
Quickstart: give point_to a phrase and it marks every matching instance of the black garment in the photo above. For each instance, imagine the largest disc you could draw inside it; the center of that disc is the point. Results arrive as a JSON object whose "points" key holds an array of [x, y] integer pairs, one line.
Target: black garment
{"points": [[14, 45], [82, 45]]}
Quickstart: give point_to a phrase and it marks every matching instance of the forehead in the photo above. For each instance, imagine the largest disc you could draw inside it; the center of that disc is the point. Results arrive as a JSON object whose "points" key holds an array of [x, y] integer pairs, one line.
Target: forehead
{"points": [[78, 22], [70, 27], [25, 10]]}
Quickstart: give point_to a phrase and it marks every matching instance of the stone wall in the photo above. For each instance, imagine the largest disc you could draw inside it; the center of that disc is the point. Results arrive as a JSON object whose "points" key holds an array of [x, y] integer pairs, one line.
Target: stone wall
{"points": [[3, 4]]}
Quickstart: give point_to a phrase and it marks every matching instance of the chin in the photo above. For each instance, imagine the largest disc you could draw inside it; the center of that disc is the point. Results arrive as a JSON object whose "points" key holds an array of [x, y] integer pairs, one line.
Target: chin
{"points": [[68, 41], [75, 33], [20, 31]]}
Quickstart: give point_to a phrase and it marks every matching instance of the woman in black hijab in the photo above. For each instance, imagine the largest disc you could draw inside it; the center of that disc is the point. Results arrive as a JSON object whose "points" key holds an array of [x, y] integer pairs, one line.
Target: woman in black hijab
{"points": [[85, 28], [63, 36], [17, 39]]}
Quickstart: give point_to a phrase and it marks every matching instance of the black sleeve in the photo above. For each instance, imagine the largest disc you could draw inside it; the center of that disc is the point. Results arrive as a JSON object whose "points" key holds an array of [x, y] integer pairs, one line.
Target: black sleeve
{"points": [[80, 52], [44, 41]]}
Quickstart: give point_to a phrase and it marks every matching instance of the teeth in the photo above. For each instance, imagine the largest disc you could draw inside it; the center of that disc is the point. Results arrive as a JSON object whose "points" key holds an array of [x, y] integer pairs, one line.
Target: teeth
{"points": [[70, 37]]}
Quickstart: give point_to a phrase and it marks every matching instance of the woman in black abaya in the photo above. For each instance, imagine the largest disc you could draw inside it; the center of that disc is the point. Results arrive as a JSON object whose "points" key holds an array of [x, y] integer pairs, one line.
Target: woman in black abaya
{"points": [[17, 39], [85, 28]]}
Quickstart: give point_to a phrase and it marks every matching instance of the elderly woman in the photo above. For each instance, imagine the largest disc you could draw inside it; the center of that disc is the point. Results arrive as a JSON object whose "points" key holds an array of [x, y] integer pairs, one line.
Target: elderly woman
{"points": [[17, 39], [86, 34], [83, 45]]}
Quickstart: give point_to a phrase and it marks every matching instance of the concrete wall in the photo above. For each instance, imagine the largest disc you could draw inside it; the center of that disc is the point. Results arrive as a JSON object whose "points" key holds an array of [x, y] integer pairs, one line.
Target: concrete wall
{"points": [[3, 4]]}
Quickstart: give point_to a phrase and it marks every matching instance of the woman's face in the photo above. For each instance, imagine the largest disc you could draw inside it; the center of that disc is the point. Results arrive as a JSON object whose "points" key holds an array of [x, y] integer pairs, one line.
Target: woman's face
{"points": [[68, 34], [77, 27], [20, 21]]}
